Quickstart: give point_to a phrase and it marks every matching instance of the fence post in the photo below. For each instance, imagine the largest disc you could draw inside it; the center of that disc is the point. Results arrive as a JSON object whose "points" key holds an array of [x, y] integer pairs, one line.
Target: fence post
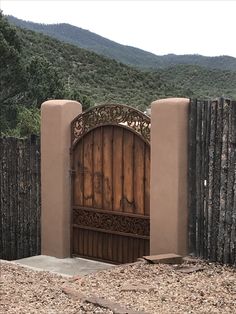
{"points": [[169, 160], [56, 116]]}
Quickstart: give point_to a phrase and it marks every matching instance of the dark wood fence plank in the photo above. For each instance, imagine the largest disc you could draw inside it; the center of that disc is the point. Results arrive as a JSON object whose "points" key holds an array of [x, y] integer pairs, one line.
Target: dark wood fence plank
{"points": [[230, 184], [19, 197], [212, 176], [207, 116], [233, 208], [223, 181]]}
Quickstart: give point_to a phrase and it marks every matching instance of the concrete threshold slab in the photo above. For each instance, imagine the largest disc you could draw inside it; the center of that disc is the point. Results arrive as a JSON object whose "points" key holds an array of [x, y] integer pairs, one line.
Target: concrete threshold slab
{"points": [[63, 266]]}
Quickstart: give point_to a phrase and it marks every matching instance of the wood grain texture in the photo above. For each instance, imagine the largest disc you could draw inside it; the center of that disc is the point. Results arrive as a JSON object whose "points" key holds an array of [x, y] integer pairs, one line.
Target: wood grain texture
{"points": [[114, 177], [212, 180], [107, 168], [88, 169], [118, 168], [128, 166], [20, 204], [97, 168], [78, 175]]}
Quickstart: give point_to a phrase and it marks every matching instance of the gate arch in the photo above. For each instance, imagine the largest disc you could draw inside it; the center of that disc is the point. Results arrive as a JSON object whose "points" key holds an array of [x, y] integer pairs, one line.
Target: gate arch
{"points": [[110, 166]]}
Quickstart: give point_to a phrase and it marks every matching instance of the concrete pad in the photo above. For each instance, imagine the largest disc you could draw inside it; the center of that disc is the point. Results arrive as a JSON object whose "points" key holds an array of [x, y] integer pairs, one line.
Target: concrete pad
{"points": [[63, 266]]}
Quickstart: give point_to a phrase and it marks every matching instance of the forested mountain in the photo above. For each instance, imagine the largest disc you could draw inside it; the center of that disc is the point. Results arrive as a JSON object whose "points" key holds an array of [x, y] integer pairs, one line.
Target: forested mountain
{"points": [[35, 67], [125, 54], [104, 80]]}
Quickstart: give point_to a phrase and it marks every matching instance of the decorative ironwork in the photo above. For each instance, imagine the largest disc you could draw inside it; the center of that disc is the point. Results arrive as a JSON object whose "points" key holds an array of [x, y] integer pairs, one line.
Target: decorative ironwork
{"points": [[112, 222], [114, 115]]}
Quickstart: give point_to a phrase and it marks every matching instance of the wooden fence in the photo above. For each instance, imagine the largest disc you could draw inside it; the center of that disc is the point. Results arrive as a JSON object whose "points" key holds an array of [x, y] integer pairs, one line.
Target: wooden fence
{"points": [[212, 180], [19, 197]]}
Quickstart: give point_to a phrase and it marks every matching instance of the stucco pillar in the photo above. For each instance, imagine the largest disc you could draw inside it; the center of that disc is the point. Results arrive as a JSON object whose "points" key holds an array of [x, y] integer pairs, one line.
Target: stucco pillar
{"points": [[56, 116], [169, 211]]}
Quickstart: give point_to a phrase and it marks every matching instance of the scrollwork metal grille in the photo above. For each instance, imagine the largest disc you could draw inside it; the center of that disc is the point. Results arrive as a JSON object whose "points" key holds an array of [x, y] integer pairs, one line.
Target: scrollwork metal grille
{"points": [[111, 114]]}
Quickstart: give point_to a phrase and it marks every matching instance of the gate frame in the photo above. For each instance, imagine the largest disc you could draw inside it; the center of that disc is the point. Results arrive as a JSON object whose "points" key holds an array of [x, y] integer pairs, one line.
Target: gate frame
{"points": [[168, 184], [116, 115]]}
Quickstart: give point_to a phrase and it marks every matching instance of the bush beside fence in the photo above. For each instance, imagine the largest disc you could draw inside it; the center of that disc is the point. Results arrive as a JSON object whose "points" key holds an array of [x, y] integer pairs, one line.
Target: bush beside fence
{"points": [[19, 197], [212, 180]]}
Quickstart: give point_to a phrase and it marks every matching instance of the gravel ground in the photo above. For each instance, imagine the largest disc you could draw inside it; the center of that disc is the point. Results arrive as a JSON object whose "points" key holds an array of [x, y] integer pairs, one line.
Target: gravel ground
{"points": [[151, 288]]}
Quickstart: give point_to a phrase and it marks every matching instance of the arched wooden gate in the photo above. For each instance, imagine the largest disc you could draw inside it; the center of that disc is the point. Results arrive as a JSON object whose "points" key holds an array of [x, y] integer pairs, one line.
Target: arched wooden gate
{"points": [[110, 166]]}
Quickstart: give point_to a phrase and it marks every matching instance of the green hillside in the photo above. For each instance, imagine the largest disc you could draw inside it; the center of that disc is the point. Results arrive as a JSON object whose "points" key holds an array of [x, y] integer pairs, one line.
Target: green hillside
{"points": [[35, 67], [125, 54], [105, 80]]}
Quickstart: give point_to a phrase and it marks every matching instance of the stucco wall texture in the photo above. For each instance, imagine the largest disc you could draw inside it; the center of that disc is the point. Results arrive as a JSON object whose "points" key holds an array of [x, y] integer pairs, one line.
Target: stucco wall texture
{"points": [[168, 190], [56, 116]]}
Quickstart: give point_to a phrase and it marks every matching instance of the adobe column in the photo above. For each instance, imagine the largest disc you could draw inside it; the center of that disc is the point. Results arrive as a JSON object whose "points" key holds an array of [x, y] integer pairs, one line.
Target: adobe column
{"points": [[169, 160], [56, 116]]}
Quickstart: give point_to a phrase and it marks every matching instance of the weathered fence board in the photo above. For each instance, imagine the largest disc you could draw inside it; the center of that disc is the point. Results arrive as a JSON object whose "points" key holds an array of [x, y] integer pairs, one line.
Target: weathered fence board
{"points": [[19, 197], [212, 180]]}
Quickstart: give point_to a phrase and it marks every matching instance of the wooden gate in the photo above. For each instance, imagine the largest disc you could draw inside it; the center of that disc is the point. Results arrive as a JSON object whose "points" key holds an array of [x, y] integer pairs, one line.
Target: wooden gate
{"points": [[110, 159]]}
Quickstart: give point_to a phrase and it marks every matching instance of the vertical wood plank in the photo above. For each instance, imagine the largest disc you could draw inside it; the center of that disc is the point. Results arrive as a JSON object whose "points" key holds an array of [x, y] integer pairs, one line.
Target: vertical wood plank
{"points": [[75, 242], [147, 180], [216, 182], [1, 199], [115, 256], [211, 151], [128, 168], [95, 245], [104, 243], [130, 257], [107, 167], [125, 249], [206, 174], [81, 242], [100, 245], [139, 176], [120, 250], [19, 198], [233, 208], [85, 242], [110, 247], [203, 178], [117, 168], [90, 243], [230, 186], [97, 167], [136, 249], [146, 250], [141, 247], [88, 170], [223, 181], [78, 176]]}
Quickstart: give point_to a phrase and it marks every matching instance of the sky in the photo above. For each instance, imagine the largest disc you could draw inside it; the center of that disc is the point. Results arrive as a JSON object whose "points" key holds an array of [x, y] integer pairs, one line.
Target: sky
{"points": [[161, 27]]}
